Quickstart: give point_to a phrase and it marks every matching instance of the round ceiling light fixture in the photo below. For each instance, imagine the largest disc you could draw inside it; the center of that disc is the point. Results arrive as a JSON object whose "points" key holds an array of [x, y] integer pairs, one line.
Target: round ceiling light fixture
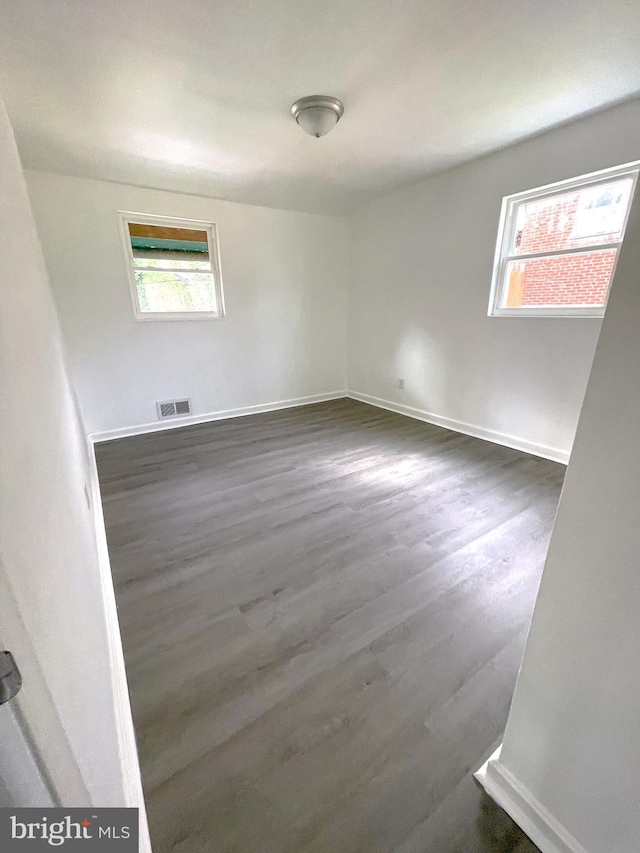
{"points": [[317, 114]]}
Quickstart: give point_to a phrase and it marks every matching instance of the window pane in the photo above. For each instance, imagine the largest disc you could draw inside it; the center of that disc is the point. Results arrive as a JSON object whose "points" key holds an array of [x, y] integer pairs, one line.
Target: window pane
{"points": [[166, 291], [158, 243], [560, 280], [170, 264], [578, 218]]}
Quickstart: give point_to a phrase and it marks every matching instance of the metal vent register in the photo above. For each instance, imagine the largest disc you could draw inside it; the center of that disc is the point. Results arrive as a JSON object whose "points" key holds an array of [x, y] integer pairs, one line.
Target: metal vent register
{"points": [[173, 408]]}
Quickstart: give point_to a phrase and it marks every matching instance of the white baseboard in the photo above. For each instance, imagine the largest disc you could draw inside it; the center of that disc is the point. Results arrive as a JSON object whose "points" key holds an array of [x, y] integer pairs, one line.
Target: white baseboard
{"points": [[553, 453], [520, 804], [128, 751], [175, 423]]}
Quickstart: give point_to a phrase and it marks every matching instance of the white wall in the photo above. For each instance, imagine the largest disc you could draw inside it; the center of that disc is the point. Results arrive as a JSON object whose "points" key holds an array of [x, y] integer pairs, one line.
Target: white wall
{"points": [[421, 272], [573, 735], [51, 613], [285, 287], [417, 266]]}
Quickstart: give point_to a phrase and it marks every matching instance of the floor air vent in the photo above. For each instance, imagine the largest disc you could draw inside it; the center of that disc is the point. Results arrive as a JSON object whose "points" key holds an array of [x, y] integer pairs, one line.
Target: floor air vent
{"points": [[173, 408]]}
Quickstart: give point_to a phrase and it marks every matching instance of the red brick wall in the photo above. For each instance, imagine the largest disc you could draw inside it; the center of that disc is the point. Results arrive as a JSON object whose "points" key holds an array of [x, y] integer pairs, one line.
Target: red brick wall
{"points": [[576, 280]]}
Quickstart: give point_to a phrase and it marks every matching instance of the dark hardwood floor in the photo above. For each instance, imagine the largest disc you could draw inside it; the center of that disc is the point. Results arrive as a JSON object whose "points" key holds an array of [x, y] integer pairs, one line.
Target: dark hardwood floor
{"points": [[323, 611]]}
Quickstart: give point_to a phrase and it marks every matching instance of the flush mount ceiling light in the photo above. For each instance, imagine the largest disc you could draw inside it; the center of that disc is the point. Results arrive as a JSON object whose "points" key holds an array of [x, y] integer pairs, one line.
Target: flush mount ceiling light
{"points": [[317, 114]]}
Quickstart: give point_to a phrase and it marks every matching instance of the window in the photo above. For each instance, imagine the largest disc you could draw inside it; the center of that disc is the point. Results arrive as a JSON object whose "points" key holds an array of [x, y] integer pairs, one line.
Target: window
{"points": [[174, 270], [558, 246]]}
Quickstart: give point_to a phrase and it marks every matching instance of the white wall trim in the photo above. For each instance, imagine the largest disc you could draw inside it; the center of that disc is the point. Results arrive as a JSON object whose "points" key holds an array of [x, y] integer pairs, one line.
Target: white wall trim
{"points": [[129, 762], [553, 453], [546, 452], [140, 429], [520, 804]]}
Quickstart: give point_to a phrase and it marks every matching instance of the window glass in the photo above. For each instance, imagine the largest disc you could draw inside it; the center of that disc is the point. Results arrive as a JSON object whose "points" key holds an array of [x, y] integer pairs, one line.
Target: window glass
{"points": [[172, 269], [575, 219], [558, 246], [560, 280]]}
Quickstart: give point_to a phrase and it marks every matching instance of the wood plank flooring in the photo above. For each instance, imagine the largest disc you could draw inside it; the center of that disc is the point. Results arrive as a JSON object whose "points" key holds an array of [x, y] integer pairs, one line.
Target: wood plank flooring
{"points": [[323, 611]]}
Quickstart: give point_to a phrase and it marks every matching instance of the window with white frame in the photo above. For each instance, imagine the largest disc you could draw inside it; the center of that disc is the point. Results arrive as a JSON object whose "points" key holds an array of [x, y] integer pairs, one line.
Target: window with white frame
{"points": [[174, 269], [558, 246]]}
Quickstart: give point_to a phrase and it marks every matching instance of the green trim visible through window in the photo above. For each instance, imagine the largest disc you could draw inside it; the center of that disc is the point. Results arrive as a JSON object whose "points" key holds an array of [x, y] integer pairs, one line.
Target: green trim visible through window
{"points": [[168, 245]]}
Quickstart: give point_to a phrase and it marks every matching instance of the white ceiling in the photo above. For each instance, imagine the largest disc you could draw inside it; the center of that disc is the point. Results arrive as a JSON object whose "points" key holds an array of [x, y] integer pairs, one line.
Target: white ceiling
{"points": [[194, 95]]}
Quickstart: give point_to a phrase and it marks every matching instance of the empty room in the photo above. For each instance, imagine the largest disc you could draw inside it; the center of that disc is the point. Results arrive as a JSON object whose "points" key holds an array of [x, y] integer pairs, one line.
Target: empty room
{"points": [[321, 478]]}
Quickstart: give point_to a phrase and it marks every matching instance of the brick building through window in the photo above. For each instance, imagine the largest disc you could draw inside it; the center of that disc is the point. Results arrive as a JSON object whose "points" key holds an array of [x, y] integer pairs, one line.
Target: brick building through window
{"points": [[559, 248]]}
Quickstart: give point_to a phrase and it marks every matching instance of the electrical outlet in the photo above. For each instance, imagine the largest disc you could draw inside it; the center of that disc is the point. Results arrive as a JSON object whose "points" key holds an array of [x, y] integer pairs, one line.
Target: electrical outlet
{"points": [[401, 384]]}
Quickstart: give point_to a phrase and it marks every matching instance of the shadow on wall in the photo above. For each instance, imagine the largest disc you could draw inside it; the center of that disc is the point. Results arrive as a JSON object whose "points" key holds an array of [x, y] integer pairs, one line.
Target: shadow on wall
{"points": [[421, 360], [435, 371], [441, 378]]}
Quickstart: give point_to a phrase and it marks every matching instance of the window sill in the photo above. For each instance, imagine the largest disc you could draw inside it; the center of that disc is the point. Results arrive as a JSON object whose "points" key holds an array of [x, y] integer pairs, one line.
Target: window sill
{"points": [[550, 313], [166, 318]]}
